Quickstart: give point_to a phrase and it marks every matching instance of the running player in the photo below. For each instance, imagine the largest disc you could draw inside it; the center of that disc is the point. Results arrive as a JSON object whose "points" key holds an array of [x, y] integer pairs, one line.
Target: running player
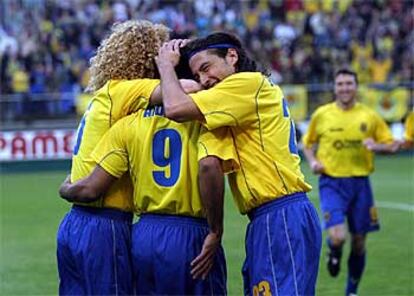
{"points": [[283, 238], [346, 133]]}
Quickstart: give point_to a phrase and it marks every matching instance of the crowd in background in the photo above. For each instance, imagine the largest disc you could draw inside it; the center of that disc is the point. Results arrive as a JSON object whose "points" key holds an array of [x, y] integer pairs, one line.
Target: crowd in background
{"points": [[45, 46]]}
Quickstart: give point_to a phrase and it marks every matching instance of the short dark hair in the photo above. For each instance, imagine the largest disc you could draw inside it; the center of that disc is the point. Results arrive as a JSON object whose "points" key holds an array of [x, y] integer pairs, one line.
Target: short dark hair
{"points": [[223, 41], [346, 71]]}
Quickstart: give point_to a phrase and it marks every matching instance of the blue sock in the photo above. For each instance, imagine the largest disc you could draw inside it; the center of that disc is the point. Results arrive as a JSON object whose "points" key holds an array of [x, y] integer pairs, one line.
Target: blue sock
{"points": [[356, 264]]}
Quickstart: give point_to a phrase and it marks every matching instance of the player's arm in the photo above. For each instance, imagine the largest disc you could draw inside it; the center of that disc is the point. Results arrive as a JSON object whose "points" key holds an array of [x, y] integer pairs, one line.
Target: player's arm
{"points": [[309, 140], [178, 105], [111, 158], [373, 146], [87, 189], [315, 165], [382, 140], [188, 86], [211, 186], [217, 156]]}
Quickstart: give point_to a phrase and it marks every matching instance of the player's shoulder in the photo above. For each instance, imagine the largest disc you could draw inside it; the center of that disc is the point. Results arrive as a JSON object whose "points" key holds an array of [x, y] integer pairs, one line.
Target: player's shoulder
{"points": [[324, 109], [245, 79], [361, 107], [123, 84], [129, 120]]}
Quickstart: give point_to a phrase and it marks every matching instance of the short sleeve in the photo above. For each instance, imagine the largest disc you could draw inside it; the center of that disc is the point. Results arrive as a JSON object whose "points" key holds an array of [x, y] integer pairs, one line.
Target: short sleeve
{"points": [[219, 143], [311, 137], [232, 102], [111, 153], [409, 127], [382, 133], [129, 96]]}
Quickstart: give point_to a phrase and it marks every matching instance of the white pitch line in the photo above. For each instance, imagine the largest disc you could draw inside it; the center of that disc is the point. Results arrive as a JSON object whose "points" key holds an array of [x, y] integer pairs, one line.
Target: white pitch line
{"points": [[395, 205]]}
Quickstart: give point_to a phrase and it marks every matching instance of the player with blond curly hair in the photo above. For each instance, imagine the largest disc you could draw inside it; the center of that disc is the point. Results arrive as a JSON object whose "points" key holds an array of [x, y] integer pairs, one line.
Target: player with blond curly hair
{"points": [[93, 240]]}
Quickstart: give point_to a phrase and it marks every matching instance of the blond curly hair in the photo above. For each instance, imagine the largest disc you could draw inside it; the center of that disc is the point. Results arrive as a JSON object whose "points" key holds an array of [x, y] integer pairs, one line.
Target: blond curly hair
{"points": [[127, 53]]}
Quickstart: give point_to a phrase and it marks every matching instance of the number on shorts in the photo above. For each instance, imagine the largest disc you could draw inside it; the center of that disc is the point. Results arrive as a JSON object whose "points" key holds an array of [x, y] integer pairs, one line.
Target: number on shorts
{"points": [[263, 288]]}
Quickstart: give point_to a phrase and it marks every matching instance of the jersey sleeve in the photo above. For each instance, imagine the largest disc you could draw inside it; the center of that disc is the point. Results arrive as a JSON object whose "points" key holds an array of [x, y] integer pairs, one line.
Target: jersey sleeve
{"points": [[382, 133], [111, 153], [409, 127], [219, 143], [231, 102], [128, 96], [311, 136]]}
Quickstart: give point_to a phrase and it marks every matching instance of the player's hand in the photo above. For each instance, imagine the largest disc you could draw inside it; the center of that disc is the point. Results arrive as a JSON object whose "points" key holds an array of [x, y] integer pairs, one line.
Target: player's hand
{"points": [[317, 167], [190, 86], [370, 144], [63, 188], [202, 264], [396, 145], [169, 52]]}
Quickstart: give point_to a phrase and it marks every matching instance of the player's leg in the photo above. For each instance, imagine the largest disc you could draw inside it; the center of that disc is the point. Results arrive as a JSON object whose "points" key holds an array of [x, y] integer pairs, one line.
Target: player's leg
{"points": [[363, 218], [246, 268], [335, 240], [163, 247], [334, 203], [356, 263], [70, 277], [283, 246], [99, 242]]}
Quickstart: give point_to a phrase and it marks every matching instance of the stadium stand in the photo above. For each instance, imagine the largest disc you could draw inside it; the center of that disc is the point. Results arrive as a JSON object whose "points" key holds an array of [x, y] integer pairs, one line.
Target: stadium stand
{"points": [[45, 45]]}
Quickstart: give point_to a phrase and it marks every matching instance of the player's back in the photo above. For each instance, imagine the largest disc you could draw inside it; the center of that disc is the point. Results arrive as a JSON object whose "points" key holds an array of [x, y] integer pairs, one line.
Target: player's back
{"points": [[163, 163], [115, 99]]}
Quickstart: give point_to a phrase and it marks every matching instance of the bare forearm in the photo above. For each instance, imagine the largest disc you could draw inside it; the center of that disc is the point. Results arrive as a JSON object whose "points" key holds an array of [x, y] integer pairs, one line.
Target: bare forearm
{"points": [[388, 148], [87, 189], [173, 94], [309, 155], [178, 105], [78, 192], [211, 185]]}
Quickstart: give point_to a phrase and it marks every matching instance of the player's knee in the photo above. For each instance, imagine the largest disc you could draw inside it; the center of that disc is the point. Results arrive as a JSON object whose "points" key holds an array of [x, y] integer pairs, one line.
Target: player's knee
{"points": [[337, 236], [337, 240]]}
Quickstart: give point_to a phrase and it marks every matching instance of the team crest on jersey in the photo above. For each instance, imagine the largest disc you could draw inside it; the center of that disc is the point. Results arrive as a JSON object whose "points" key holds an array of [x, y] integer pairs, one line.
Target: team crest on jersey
{"points": [[363, 127]]}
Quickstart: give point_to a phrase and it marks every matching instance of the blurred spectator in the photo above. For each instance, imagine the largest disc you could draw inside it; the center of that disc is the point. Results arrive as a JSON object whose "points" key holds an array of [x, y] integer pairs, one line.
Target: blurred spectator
{"points": [[45, 46]]}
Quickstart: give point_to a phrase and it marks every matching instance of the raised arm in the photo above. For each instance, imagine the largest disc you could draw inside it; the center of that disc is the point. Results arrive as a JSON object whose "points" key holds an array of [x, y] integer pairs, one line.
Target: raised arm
{"points": [[178, 106], [188, 85], [211, 186], [87, 189]]}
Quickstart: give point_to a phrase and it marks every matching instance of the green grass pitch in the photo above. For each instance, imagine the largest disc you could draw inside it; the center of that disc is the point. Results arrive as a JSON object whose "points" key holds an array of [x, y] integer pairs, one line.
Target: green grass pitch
{"points": [[30, 212]]}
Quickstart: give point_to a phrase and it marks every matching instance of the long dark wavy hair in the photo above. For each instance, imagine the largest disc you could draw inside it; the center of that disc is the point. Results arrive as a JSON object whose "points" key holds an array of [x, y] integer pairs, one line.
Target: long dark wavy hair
{"points": [[227, 40]]}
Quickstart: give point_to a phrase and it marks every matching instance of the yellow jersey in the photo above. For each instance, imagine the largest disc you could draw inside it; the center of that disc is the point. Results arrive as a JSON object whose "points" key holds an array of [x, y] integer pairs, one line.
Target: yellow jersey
{"points": [[339, 135], [262, 133], [161, 156], [116, 99], [409, 127]]}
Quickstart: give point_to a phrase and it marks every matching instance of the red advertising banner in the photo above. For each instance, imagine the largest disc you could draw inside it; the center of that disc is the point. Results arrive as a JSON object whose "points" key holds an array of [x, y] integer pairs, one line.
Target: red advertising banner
{"points": [[36, 145]]}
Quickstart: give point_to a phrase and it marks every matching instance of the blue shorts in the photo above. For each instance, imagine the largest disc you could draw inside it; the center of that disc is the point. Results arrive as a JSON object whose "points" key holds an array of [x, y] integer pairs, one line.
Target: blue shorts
{"points": [[163, 247], [283, 244], [348, 197], [94, 252]]}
